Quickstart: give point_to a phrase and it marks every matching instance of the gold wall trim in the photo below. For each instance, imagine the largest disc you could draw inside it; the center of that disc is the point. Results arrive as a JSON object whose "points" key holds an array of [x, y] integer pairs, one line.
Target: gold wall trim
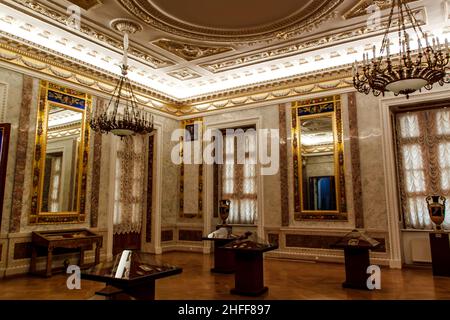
{"points": [[79, 215], [312, 106]]}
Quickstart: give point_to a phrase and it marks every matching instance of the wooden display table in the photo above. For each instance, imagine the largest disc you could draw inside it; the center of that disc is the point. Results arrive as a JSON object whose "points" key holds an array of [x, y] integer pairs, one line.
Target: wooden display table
{"points": [[249, 274], [356, 247], [224, 261], [81, 239], [440, 253], [138, 283]]}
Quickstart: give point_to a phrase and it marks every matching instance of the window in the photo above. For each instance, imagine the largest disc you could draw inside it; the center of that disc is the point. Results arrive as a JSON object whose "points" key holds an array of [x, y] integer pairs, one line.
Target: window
{"points": [[423, 149], [129, 185], [238, 175]]}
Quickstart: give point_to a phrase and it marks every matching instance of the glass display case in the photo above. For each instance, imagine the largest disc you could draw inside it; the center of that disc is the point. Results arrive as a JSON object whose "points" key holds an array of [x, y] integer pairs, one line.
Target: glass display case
{"points": [[133, 273]]}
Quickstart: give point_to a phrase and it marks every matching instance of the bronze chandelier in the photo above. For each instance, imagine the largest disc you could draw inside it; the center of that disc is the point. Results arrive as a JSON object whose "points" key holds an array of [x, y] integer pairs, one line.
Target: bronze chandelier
{"points": [[122, 117], [409, 70]]}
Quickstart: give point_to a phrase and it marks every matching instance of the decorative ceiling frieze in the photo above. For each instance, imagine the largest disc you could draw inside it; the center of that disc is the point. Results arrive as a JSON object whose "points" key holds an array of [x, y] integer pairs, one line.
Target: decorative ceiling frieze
{"points": [[295, 87], [189, 51], [360, 9], [306, 17], [38, 59], [300, 47], [55, 66], [61, 18]]}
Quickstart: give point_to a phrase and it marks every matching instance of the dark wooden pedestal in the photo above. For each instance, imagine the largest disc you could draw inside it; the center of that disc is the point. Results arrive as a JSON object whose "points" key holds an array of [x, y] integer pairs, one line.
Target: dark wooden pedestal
{"points": [[249, 277], [224, 261], [440, 253], [357, 261], [249, 274]]}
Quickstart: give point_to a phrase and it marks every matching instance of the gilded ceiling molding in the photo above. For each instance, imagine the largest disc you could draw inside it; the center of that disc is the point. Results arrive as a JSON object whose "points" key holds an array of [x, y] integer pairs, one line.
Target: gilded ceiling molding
{"points": [[86, 4], [360, 9], [189, 51], [55, 16], [317, 13], [293, 49], [80, 74], [317, 83], [66, 68]]}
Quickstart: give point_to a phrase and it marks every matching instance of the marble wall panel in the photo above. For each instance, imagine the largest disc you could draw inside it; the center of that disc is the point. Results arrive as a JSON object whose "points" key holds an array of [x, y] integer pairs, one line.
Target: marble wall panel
{"points": [[372, 170], [13, 101]]}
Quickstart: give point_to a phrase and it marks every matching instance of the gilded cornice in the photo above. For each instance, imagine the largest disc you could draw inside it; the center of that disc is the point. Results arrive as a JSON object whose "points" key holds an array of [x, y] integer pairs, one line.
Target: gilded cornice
{"points": [[318, 13], [362, 32], [316, 82], [81, 74], [42, 60], [55, 16]]}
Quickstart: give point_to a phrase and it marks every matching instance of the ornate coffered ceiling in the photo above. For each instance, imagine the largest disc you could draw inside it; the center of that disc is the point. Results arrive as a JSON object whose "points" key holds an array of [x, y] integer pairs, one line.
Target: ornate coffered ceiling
{"points": [[232, 20], [198, 54]]}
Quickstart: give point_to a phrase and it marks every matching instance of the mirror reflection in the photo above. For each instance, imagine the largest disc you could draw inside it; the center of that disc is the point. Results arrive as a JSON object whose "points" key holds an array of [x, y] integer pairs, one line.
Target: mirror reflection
{"points": [[60, 183], [318, 163]]}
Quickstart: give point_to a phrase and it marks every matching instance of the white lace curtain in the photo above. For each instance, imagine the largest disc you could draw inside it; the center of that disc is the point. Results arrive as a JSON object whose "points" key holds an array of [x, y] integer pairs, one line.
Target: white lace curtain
{"points": [[423, 139], [129, 185], [239, 180]]}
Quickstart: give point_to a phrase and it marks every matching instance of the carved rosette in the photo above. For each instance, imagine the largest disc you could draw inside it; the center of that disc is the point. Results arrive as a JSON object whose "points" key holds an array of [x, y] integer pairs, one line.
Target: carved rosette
{"points": [[125, 26]]}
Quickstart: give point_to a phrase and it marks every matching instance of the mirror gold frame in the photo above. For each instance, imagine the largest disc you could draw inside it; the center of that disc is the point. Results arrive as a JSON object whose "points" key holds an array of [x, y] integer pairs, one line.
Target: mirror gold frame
{"points": [[54, 95], [311, 109]]}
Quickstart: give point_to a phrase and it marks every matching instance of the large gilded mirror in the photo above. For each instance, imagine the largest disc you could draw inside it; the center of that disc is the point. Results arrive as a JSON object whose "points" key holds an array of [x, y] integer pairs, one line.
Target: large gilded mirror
{"points": [[319, 182], [61, 155]]}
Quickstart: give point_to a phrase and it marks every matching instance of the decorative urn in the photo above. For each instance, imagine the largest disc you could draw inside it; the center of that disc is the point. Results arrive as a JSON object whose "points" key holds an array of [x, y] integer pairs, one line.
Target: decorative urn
{"points": [[436, 210]]}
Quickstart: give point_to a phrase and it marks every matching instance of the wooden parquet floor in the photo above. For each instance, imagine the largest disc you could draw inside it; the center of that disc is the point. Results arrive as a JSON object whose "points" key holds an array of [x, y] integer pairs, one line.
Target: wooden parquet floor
{"points": [[286, 279]]}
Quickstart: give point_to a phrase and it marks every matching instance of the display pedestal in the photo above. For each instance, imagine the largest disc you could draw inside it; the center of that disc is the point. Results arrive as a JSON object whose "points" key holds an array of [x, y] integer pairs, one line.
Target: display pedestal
{"points": [[357, 261], [139, 284], [224, 261], [249, 275], [356, 245], [440, 253]]}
